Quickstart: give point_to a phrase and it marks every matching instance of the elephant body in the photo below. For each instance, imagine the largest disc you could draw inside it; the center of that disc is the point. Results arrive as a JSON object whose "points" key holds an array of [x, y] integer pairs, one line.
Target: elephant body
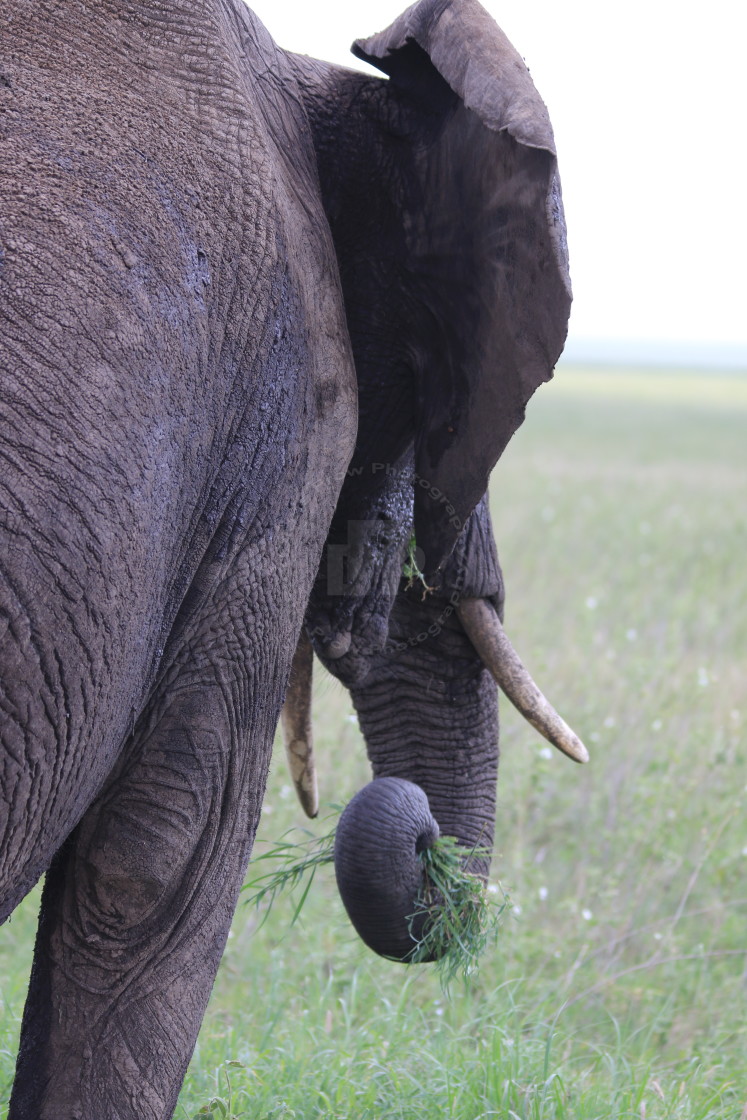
{"points": [[186, 439], [205, 361], [156, 350]]}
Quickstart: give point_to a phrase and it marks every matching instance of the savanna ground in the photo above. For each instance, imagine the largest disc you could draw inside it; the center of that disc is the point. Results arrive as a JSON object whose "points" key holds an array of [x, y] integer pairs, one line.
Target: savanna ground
{"points": [[618, 987]]}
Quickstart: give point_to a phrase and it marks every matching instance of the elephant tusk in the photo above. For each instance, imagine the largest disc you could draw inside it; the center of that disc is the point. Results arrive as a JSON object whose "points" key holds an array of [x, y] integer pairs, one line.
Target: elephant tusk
{"points": [[484, 629], [296, 722]]}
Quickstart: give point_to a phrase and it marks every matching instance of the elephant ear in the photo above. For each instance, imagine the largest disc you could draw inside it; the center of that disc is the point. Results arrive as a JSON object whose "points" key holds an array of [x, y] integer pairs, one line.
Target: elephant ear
{"points": [[484, 271]]}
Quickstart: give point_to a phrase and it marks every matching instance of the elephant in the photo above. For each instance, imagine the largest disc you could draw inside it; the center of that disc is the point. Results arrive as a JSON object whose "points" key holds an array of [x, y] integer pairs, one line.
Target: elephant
{"points": [[266, 325]]}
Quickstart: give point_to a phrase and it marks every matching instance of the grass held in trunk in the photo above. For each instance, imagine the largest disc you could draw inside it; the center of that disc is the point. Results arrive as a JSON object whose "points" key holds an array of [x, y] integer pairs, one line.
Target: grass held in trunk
{"points": [[460, 917], [411, 569]]}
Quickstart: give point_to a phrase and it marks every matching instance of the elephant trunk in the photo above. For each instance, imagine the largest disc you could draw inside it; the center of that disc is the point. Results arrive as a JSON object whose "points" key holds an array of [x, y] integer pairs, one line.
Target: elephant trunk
{"points": [[429, 717], [379, 839]]}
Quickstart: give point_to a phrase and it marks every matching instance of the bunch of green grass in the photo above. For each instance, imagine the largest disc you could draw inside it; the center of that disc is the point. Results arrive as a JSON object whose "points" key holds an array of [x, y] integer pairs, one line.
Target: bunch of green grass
{"points": [[297, 864], [454, 918], [411, 569], [460, 918]]}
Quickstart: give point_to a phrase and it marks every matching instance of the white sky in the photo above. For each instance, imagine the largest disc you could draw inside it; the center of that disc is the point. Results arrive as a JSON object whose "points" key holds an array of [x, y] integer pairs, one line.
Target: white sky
{"points": [[648, 100]]}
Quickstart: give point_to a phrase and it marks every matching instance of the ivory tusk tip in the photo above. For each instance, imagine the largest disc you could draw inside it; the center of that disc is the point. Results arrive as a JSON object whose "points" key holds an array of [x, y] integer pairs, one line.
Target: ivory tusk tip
{"points": [[566, 741], [307, 792], [310, 805], [300, 756], [579, 753], [485, 631], [296, 722]]}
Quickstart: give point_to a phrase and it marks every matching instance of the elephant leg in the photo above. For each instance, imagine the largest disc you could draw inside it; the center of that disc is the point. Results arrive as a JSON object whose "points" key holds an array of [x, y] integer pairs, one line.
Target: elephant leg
{"points": [[138, 903]]}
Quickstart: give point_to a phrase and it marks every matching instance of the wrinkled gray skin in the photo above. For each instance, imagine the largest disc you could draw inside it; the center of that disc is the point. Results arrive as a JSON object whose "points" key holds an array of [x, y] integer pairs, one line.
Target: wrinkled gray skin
{"points": [[209, 250]]}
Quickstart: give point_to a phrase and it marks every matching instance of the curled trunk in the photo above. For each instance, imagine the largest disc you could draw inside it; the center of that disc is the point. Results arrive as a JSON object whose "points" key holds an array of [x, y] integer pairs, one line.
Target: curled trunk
{"points": [[378, 842], [428, 711]]}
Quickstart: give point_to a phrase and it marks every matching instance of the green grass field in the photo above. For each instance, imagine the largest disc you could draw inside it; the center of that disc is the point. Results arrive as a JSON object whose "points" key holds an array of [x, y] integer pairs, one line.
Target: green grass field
{"points": [[618, 987]]}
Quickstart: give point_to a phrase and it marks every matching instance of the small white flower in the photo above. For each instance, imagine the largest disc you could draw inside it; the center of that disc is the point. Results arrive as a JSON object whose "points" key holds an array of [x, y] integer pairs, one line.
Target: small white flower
{"points": [[610, 721], [587, 915], [542, 892], [591, 603], [658, 936], [631, 634], [439, 1010], [516, 908], [285, 792], [267, 810], [545, 752], [656, 725], [703, 678], [744, 851], [352, 718], [492, 888]]}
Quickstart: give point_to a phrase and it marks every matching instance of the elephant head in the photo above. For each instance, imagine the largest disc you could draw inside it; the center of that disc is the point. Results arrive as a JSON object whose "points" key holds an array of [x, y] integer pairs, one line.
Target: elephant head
{"points": [[442, 192]]}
